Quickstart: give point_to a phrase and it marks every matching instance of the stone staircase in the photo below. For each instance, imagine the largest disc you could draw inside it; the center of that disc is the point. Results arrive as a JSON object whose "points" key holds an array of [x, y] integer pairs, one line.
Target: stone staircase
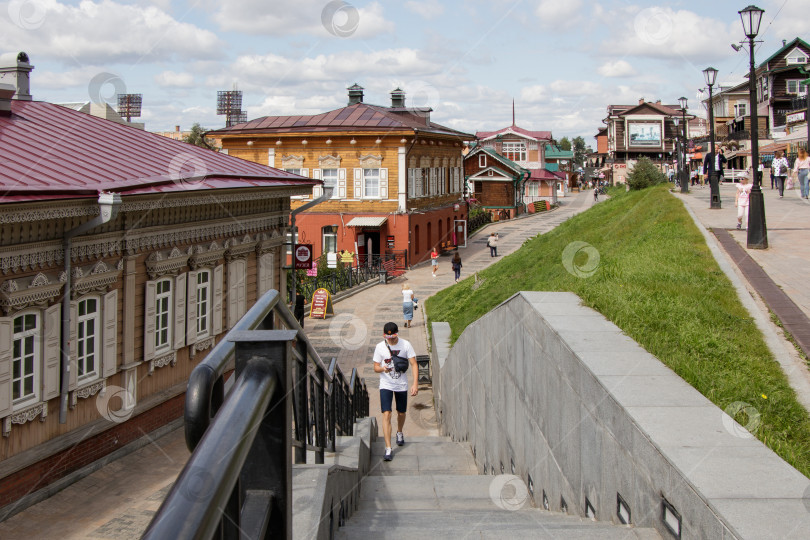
{"points": [[432, 487]]}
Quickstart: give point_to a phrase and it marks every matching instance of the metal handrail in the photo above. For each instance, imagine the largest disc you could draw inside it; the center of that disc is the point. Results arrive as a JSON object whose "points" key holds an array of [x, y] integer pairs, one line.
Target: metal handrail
{"points": [[238, 480]]}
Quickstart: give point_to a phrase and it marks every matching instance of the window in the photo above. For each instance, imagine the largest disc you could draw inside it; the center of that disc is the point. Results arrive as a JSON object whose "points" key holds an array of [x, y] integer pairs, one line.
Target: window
{"points": [[797, 56], [371, 183], [87, 338], [740, 109], [330, 239], [163, 314], [482, 160], [796, 87], [532, 189], [514, 150], [24, 359], [294, 171], [203, 303], [330, 179]]}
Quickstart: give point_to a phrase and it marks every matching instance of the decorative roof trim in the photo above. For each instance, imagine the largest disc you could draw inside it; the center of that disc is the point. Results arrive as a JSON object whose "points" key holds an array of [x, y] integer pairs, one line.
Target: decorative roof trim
{"points": [[94, 278], [202, 257], [160, 264]]}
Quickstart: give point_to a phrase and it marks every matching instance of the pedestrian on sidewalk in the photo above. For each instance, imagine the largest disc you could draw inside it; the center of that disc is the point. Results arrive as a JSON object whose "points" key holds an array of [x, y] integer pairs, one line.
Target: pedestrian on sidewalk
{"points": [[298, 311], [741, 200], [456, 263], [779, 168], [394, 383], [802, 170], [408, 299], [595, 194], [434, 260], [492, 243]]}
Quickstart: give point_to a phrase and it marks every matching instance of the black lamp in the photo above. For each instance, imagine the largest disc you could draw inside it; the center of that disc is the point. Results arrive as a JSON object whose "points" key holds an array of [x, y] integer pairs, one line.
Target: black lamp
{"points": [[757, 229], [684, 177], [711, 76]]}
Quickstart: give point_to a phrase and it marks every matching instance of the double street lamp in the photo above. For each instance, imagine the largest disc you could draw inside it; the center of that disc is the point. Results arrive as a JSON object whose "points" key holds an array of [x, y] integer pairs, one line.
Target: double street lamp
{"points": [[714, 181], [757, 230]]}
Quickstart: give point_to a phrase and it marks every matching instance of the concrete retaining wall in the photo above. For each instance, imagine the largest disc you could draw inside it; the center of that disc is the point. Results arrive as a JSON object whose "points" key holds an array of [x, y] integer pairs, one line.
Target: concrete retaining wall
{"points": [[580, 410]]}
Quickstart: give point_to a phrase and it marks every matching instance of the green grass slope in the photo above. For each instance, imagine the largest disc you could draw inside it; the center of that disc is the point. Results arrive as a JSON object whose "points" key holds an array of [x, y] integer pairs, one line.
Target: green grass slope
{"points": [[650, 272]]}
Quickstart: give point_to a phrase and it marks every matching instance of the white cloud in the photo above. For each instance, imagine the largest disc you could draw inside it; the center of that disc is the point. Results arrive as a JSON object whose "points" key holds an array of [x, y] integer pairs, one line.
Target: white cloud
{"points": [[557, 14], [619, 68], [315, 17], [174, 79], [102, 32], [427, 8], [533, 94]]}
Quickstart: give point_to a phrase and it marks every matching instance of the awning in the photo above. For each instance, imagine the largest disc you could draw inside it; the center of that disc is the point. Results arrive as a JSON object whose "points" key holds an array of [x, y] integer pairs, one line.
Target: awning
{"points": [[367, 221]]}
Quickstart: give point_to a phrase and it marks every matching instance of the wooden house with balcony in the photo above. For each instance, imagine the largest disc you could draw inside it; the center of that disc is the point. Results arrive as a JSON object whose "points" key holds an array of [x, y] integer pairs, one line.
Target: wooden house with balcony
{"points": [[779, 82], [397, 175], [145, 250]]}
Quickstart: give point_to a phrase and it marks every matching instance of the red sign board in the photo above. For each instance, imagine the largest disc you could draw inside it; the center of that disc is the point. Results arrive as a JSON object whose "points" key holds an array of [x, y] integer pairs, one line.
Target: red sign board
{"points": [[302, 256], [321, 304]]}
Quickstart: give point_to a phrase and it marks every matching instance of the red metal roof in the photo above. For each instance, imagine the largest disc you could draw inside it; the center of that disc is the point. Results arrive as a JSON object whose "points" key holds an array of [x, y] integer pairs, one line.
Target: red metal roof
{"points": [[539, 135], [360, 116], [545, 174], [52, 152]]}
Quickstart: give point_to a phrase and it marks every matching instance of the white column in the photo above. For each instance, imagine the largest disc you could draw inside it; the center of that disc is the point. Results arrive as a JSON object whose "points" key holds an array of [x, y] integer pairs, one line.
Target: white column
{"points": [[403, 180]]}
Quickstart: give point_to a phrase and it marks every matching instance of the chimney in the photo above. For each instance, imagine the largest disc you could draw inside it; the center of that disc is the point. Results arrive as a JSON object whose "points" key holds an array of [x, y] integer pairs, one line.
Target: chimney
{"points": [[177, 129], [784, 42], [397, 99], [641, 101], [19, 76], [6, 95], [355, 94]]}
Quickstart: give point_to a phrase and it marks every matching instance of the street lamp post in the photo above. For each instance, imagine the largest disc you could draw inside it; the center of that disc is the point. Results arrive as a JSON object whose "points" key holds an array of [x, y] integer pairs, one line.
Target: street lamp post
{"points": [[711, 76], [684, 177], [757, 229]]}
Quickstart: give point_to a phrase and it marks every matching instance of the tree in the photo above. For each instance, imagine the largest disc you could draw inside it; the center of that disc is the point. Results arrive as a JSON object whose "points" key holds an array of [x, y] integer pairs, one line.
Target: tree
{"points": [[197, 137], [565, 144], [645, 174], [580, 152]]}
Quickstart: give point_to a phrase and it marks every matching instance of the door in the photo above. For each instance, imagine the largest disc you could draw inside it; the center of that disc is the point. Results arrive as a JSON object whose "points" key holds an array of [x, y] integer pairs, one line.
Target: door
{"points": [[461, 233]]}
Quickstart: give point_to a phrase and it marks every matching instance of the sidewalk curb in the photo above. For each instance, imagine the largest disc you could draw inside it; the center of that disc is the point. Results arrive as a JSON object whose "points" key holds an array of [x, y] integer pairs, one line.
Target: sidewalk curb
{"points": [[775, 343]]}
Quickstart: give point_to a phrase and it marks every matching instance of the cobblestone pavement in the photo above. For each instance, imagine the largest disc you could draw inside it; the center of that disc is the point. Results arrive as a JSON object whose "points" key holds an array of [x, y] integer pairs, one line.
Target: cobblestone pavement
{"points": [[118, 500]]}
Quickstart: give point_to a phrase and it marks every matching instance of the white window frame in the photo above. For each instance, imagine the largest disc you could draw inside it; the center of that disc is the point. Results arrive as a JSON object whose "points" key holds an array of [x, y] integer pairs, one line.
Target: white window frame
{"points": [[82, 352], [204, 297], [168, 298], [796, 57], [367, 176], [515, 148], [331, 235], [532, 189], [482, 160], [799, 90], [738, 106], [35, 340]]}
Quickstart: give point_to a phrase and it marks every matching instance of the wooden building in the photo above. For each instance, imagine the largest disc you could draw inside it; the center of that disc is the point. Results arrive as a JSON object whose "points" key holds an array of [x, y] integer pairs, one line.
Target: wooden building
{"points": [[191, 238], [397, 176], [498, 182]]}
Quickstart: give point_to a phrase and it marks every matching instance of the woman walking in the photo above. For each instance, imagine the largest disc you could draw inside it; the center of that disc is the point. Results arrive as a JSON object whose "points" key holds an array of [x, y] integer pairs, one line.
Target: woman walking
{"points": [[802, 169], [434, 260], [457, 265], [779, 168], [407, 304]]}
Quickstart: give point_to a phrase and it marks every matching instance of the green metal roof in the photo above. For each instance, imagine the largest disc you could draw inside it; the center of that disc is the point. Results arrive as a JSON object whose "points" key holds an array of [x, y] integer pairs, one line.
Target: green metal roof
{"points": [[790, 45], [552, 167], [555, 152], [508, 162]]}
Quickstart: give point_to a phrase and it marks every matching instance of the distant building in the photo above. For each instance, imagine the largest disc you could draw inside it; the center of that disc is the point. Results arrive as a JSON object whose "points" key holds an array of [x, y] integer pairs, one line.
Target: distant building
{"points": [[397, 175], [101, 110], [176, 135]]}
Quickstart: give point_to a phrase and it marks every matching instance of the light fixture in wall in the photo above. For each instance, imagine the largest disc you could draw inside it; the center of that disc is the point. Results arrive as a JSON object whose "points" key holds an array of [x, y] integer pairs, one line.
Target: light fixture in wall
{"points": [[492, 471], [563, 505], [328, 141], [545, 500], [671, 518], [511, 461], [250, 143], [403, 141], [622, 510], [352, 141], [502, 468], [530, 485], [378, 141], [304, 142], [278, 142], [590, 511]]}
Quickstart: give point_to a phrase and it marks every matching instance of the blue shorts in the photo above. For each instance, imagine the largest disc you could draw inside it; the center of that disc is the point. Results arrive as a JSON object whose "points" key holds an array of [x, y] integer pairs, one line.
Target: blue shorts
{"points": [[387, 396], [434, 262]]}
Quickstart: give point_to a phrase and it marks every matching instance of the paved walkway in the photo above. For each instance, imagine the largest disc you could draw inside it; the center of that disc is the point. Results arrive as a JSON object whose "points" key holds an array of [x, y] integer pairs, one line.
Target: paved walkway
{"points": [[118, 501]]}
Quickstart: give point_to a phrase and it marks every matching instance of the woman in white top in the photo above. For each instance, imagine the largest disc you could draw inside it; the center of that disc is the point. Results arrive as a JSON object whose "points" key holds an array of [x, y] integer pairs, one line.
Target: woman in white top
{"points": [[741, 201], [779, 169], [407, 304], [802, 169]]}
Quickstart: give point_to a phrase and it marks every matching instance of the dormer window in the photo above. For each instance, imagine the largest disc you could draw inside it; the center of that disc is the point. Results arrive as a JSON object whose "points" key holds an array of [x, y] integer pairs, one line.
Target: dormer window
{"points": [[514, 150], [796, 57]]}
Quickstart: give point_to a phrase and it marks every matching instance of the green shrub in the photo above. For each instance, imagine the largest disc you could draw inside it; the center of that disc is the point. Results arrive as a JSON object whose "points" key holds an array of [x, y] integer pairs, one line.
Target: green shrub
{"points": [[644, 175]]}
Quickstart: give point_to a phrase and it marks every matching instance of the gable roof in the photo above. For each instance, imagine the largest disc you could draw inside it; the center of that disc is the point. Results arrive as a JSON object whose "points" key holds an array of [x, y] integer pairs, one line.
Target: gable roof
{"points": [[504, 160], [790, 45], [53, 152], [357, 117], [667, 110], [536, 135]]}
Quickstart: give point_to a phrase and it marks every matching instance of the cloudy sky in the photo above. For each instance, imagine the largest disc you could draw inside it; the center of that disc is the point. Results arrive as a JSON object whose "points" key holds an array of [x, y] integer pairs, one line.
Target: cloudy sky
{"points": [[562, 61]]}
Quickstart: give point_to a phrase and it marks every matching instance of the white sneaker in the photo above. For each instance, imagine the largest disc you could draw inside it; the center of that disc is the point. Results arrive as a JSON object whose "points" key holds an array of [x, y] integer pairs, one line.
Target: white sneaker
{"points": [[400, 438], [389, 455]]}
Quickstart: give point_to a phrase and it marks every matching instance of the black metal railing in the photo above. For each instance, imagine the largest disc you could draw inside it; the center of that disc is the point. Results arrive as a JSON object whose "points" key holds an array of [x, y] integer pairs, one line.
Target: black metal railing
{"points": [[744, 135], [476, 222], [238, 481], [337, 279]]}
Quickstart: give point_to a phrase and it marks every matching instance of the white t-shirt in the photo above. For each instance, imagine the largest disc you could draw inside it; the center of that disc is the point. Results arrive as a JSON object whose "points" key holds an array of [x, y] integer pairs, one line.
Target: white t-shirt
{"points": [[407, 296], [398, 382]]}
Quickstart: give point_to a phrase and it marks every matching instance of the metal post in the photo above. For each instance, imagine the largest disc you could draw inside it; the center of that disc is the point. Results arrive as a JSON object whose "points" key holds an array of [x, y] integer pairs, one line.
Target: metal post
{"points": [[684, 175], [757, 229], [713, 179], [300, 404]]}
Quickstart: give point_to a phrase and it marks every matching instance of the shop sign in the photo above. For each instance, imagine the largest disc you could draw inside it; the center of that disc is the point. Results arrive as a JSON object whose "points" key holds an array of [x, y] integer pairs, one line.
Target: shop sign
{"points": [[303, 256], [321, 304]]}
